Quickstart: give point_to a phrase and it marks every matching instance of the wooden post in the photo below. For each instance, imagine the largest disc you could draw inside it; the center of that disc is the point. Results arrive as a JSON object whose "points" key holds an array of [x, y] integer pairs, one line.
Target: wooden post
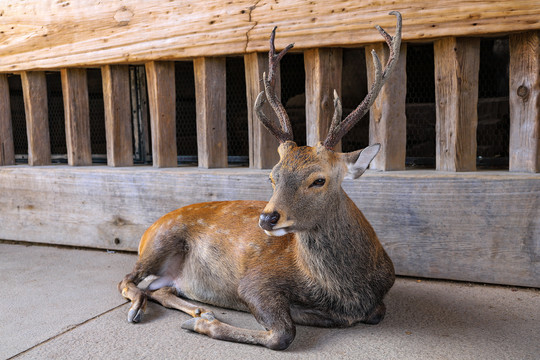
{"points": [[457, 61], [7, 150], [262, 144], [116, 101], [525, 102], [323, 75], [37, 119], [162, 104], [77, 116], [387, 120], [211, 96]]}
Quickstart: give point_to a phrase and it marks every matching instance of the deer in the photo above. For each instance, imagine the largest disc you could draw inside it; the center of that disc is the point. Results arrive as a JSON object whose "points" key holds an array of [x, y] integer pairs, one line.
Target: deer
{"points": [[308, 256]]}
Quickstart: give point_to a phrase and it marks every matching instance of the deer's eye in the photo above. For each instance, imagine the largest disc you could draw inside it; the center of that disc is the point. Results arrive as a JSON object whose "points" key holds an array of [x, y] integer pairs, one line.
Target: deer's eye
{"points": [[318, 183]]}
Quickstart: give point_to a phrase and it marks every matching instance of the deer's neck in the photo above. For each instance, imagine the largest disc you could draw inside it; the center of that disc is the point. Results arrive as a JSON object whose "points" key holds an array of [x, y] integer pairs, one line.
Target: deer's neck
{"points": [[339, 246]]}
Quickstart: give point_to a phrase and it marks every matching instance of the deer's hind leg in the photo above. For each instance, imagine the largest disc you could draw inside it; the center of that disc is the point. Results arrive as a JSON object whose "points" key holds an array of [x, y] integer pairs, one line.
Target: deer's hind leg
{"points": [[163, 261], [168, 297]]}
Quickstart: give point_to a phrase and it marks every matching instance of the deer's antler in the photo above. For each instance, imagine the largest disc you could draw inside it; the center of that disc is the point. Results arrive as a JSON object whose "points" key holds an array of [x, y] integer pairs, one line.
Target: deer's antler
{"points": [[285, 132], [339, 129]]}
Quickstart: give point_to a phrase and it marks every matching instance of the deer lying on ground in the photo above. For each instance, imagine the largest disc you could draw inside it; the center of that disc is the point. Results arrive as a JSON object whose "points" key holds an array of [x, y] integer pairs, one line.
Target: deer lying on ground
{"points": [[313, 259]]}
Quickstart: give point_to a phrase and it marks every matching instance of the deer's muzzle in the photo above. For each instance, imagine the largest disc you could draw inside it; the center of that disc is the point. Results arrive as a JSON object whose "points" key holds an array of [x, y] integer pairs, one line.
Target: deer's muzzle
{"points": [[267, 221]]}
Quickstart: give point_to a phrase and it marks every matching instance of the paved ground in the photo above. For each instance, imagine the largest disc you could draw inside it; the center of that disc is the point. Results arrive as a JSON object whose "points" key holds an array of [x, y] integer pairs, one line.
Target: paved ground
{"points": [[59, 303]]}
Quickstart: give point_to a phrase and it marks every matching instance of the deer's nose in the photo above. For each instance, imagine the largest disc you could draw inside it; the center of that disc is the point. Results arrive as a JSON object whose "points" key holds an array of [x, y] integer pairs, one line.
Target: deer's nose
{"points": [[267, 221]]}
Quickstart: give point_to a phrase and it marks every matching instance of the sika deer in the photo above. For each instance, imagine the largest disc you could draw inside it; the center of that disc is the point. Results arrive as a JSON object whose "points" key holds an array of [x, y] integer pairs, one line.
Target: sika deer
{"points": [[313, 260]]}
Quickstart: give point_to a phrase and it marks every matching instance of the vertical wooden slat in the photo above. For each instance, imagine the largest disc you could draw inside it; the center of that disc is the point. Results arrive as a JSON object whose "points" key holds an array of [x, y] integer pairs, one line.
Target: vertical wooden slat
{"points": [[262, 144], [457, 63], [211, 96], [162, 105], [77, 116], [140, 114], [118, 128], [323, 74], [7, 150], [37, 120], [525, 102], [387, 120]]}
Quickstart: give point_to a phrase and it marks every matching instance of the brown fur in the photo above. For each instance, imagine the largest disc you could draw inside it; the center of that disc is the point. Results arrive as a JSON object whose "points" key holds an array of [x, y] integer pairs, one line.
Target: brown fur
{"points": [[329, 269]]}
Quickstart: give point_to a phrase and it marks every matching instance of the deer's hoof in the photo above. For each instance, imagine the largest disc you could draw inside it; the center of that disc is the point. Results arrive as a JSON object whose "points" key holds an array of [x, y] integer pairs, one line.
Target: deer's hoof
{"points": [[192, 323], [135, 315]]}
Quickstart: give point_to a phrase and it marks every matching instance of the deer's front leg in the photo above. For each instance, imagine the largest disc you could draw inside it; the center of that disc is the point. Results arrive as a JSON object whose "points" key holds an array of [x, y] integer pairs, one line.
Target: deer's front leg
{"points": [[273, 314]]}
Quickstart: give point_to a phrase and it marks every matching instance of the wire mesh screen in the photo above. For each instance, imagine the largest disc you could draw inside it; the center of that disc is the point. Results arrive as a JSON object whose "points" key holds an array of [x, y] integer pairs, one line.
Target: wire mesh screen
{"points": [[97, 115], [55, 103], [420, 108], [186, 112], [18, 117], [237, 119], [293, 94], [353, 91], [493, 129]]}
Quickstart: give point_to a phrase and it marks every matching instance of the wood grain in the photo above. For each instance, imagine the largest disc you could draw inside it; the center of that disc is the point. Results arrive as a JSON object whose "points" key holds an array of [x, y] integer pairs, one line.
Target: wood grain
{"points": [[118, 127], [525, 102], [211, 99], [7, 149], [387, 120], [162, 105], [323, 69], [77, 116], [482, 226], [45, 35], [457, 63], [37, 119], [262, 144]]}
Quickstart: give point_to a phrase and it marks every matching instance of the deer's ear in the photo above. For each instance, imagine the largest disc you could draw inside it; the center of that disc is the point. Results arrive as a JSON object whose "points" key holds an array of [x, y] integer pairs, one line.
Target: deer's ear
{"points": [[358, 161]]}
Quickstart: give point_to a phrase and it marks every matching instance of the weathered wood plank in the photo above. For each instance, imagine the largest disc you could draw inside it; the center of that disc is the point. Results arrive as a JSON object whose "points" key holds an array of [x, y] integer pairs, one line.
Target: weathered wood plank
{"points": [[525, 102], [77, 116], [118, 127], [211, 98], [45, 35], [387, 121], [7, 149], [262, 144], [37, 118], [323, 69], [490, 232], [162, 105], [456, 95]]}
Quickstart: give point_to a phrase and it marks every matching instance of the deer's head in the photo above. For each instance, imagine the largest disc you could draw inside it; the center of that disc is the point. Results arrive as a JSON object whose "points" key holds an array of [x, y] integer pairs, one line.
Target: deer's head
{"points": [[307, 179]]}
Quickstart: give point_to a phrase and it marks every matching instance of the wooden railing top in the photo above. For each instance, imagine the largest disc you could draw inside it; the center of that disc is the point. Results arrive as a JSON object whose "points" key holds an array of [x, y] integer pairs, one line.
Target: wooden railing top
{"points": [[54, 34]]}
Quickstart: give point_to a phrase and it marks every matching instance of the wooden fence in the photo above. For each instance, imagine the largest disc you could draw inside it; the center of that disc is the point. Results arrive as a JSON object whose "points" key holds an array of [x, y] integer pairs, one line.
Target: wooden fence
{"points": [[453, 222]]}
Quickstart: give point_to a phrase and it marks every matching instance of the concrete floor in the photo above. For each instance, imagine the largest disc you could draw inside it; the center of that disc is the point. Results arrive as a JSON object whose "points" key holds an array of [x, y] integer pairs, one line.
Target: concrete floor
{"points": [[59, 303]]}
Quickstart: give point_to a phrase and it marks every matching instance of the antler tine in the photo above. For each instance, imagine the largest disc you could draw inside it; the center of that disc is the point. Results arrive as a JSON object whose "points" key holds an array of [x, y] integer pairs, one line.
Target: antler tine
{"points": [[276, 131], [336, 119], [269, 82], [337, 131]]}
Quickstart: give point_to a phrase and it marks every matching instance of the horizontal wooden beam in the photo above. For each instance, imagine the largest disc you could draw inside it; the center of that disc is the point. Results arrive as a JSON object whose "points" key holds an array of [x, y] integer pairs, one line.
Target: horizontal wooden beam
{"points": [[34, 36], [482, 226]]}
